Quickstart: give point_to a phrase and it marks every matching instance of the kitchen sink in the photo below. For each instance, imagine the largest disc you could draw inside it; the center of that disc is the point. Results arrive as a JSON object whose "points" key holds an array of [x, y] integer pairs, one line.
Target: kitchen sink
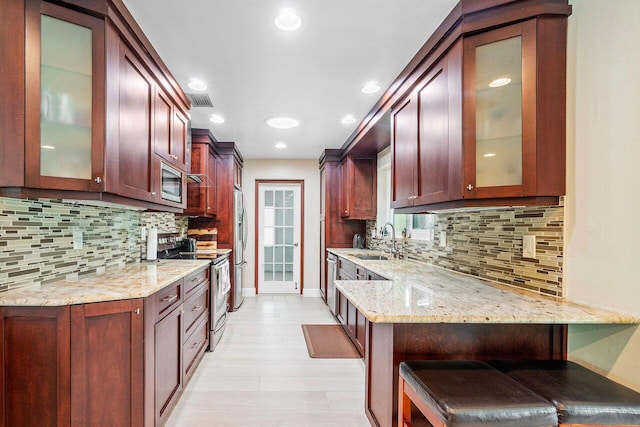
{"points": [[372, 257]]}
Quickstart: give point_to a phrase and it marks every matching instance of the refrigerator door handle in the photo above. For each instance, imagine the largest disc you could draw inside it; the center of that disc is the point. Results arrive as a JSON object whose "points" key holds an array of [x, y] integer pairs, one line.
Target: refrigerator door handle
{"points": [[242, 264], [245, 229]]}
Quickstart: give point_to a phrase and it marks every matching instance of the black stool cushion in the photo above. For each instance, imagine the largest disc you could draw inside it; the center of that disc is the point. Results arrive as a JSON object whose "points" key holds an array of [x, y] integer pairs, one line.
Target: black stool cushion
{"points": [[581, 395], [471, 394]]}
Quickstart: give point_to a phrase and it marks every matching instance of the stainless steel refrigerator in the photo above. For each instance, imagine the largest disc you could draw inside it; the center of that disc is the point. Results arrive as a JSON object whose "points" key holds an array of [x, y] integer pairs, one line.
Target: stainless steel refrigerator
{"points": [[239, 245]]}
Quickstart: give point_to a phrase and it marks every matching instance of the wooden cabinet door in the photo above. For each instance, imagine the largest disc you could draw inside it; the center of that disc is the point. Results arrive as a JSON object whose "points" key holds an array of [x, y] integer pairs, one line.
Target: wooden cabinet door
{"points": [[34, 376], [162, 121], [197, 192], [168, 363], [179, 138], [404, 151], [132, 163], [64, 103], [500, 114], [359, 184], [107, 360], [211, 198], [433, 138]]}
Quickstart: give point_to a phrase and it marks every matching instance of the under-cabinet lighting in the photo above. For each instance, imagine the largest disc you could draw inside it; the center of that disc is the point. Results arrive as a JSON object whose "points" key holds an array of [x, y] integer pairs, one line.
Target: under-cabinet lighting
{"points": [[48, 147], [281, 145], [287, 20], [196, 84], [282, 122], [502, 81], [489, 155], [216, 118], [370, 87], [347, 120]]}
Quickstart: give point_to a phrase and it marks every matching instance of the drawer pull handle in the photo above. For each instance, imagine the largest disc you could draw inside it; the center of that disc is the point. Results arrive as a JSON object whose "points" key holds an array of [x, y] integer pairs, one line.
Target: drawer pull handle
{"points": [[170, 298], [196, 345], [198, 308]]}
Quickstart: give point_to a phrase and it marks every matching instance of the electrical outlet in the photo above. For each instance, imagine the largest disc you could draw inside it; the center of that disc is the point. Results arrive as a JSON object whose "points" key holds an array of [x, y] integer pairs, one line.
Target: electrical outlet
{"points": [[443, 239], [143, 232], [77, 238], [529, 246]]}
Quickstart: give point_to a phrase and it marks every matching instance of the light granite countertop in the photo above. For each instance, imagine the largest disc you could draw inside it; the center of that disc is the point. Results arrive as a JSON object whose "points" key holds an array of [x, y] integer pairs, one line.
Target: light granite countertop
{"points": [[420, 293], [136, 280]]}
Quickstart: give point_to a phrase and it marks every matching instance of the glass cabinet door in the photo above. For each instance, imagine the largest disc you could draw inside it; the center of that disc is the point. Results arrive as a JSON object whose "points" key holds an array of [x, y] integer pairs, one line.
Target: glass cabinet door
{"points": [[499, 90], [65, 148]]}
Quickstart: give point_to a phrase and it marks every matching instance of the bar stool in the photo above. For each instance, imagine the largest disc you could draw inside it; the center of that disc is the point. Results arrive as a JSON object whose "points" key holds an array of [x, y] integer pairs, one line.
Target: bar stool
{"points": [[580, 395], [462, 393]]}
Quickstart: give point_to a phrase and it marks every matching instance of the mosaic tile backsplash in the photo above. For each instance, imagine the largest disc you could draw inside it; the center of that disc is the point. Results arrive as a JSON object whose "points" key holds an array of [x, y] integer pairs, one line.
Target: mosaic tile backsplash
{"points": [[36, 238], [488, 244]]}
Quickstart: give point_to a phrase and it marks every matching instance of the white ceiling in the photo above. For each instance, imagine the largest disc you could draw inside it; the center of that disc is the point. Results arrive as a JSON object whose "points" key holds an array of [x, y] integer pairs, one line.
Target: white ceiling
{"points": [[254, 71]]}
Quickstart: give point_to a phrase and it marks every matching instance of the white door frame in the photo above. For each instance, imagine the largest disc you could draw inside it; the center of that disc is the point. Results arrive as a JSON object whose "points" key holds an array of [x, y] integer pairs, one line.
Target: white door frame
{"points": [[259, 267]]}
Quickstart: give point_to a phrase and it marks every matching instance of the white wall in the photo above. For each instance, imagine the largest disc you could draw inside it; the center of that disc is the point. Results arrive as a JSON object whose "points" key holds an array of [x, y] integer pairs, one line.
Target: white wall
{"points": [[307, 170], [603, 180]]}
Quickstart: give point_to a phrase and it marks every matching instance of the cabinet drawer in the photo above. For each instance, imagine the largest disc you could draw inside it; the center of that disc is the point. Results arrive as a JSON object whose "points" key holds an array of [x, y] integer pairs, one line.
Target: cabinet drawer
{"points": [[194, 346], [196, 307], [168, 298], [192, 281]]}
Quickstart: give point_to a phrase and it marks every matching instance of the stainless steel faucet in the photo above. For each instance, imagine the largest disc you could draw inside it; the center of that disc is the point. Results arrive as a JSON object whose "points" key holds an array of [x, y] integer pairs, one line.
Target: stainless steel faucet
{"points": [[394, 245]]}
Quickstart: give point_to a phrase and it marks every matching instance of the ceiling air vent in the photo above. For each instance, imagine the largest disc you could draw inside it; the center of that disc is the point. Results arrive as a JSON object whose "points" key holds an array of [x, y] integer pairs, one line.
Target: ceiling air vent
{"points": [[199, 100]]}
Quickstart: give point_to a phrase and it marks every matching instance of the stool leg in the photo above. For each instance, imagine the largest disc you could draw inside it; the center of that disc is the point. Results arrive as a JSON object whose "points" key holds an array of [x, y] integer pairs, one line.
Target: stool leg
{"points": [[404, 405]]}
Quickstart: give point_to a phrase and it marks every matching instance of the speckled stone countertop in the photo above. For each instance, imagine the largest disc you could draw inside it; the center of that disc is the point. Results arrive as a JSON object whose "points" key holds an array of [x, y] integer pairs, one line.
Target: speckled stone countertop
{"points": [[136, 280], [420, 293]]}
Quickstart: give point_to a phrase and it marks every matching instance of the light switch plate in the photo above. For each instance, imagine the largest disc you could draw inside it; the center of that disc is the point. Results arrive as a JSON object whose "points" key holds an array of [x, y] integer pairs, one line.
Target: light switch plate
{"points": [[529, 246], [443, 239]]}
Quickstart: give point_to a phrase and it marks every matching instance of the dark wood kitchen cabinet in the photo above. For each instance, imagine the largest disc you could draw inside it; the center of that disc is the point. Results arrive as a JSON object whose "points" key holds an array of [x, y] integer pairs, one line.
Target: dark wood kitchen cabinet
{"points": [[514, 110], [104, 363], [170, 130], [358, 192], [426, 140], [107, 358], [64, 104], [202, 196], [35, 373], [93, 109]]}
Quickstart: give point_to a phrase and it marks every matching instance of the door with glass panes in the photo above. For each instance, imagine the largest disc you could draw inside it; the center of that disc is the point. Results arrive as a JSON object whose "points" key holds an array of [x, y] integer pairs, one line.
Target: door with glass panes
{"points": [[279, 232]]}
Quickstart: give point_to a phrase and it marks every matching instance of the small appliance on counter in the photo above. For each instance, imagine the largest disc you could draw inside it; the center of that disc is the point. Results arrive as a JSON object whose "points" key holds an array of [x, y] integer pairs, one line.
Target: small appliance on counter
{"points": [[358, 241]]}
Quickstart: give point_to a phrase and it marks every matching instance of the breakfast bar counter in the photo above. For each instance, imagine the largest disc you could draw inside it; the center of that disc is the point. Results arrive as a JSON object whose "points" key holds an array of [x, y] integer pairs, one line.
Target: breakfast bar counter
{"points": [[426, 312]]}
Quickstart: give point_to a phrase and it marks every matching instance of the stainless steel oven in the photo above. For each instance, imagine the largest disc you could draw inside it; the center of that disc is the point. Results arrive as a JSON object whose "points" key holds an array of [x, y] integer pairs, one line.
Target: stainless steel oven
{"points": [[171, 183], [220, 287]]}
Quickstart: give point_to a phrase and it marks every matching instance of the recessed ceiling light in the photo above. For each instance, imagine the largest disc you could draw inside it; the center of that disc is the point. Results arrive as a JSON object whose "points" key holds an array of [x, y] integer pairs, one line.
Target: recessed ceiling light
{"points": [[48, 147], [489, 155], [216, 118], [370, 87], [281, 145], [282, 122], [500, 82], [196, 84], [287, 20], [346, 120]]}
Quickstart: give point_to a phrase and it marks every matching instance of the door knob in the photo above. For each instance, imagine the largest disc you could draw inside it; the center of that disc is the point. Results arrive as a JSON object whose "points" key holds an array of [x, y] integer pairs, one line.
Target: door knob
{"points": [[295, 244]]}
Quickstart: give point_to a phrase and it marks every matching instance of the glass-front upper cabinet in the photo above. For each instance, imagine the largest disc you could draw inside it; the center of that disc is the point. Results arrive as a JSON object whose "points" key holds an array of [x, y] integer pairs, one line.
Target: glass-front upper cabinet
{"points": [[65, 99], [499, 111]]}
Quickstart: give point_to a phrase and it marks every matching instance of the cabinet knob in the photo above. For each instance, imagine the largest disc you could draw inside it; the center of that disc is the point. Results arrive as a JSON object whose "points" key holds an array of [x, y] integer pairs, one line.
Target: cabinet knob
{"points": [[469, 187], [98, 180], [153, 193]]}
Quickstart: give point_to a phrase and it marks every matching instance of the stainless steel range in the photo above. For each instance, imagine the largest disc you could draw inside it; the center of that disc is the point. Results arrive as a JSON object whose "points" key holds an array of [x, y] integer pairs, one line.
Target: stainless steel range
{"points": [[173, 246]]}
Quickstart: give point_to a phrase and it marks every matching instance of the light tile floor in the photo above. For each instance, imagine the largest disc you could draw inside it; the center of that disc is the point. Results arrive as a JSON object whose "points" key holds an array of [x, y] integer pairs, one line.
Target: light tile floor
{"points": [[262, 376]]}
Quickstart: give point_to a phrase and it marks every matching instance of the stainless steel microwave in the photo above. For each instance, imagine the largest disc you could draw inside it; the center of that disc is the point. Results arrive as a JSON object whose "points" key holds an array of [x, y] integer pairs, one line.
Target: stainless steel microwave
{"points": [[171, 183]]}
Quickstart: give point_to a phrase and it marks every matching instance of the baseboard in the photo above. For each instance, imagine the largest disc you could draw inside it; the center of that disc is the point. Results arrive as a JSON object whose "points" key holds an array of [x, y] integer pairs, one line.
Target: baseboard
{"points": [[315, 293], [248, 292]]}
